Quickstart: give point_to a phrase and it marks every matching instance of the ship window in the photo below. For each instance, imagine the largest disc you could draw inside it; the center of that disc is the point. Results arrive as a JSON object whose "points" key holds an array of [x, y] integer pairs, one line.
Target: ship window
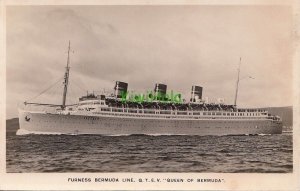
{"points": [[148, 111], [116, 110], [165, 112], [181, 112]]}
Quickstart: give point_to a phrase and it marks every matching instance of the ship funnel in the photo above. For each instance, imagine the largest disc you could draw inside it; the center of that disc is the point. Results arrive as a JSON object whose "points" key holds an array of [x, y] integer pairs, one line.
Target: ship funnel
{"points": [[160, 91], [196, 93], [120, 89]]}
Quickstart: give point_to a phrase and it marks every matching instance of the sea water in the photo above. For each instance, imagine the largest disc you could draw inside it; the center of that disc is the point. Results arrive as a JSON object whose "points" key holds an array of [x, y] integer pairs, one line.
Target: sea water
{"points": [[149, 153]]}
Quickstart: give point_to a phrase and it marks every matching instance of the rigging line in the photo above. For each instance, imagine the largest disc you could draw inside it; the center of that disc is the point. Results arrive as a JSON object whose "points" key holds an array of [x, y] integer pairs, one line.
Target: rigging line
{"points": [[78, 85], [55, 92], [46, 89]]}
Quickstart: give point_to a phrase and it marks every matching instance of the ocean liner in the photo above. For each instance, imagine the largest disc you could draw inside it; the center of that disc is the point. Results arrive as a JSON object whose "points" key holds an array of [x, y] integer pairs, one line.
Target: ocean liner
{"points": [[156, 113]]}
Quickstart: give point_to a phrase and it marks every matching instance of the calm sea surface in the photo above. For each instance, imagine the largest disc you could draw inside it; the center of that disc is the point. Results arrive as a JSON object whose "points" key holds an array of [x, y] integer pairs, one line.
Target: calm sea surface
{"points": [[144, 153]]}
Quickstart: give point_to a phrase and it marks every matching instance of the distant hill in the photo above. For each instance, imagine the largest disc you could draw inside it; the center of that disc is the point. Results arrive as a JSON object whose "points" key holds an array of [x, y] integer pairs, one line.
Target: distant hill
{"points": [[286, 113], [12, 125]]}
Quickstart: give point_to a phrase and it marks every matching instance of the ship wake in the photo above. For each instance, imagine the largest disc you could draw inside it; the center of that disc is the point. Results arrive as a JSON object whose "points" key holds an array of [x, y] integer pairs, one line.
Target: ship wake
{"points": [[26, 132]]}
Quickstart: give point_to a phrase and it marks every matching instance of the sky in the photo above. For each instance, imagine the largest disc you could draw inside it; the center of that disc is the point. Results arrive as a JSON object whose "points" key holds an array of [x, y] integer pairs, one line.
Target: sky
{"points": [[176, 45]]}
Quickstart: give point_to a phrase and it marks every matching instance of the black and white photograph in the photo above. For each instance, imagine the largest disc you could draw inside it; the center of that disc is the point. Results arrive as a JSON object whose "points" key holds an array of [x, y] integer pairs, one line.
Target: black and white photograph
{"points": [[149, 88]]}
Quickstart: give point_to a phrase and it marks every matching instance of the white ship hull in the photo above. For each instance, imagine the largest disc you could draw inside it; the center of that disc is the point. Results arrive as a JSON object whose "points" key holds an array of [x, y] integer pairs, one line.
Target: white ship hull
{"points": [[45, 123]]}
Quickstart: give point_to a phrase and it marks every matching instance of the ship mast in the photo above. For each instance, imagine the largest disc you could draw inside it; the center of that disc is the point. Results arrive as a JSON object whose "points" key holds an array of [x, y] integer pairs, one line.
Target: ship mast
{"points": [[66, 80], [237, 82]]}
